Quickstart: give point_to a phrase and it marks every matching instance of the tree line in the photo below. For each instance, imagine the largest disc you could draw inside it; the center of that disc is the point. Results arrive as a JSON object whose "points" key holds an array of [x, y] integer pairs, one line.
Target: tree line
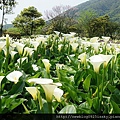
{"points": [[30, 22]]}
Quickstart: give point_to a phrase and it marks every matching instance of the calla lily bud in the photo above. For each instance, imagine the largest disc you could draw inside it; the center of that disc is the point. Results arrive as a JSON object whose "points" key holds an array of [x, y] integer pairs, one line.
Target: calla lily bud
{"points": [[7, 41]]}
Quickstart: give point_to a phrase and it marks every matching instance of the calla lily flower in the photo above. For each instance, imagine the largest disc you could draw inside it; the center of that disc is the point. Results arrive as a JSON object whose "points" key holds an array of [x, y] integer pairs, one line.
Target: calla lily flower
{"points": [[35, 44], [19, 47], [108, 47], [106, 39], [47, 85], [2, 44], [74, 46], [46, 64], [13, 54], [1, 78], [41, 39], [96, 61], [33, 91], [49, 90], [22, 59], [94, 39], [59, 47], [106, 58], [40, 80], [82, 57], [14, 76], [85, 44], [117, 50], [28, 51], [35, 67], [95, 46], [70, 56], [57, 94], [5, 50], [59, 66]]}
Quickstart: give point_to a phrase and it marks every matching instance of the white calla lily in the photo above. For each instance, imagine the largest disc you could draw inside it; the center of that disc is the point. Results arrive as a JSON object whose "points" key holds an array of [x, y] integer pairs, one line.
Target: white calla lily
{"points": [[28, 51], [13, 54], [35, 44], [14, 76], [1, 78], [106, 58], [59, 66], [46, 64], [94, 39], [49, 90], [82, 57], [47, 85], [106, 39], [40, 80], [35, 67], [59, 47], [2, 44], [74, 46], [57, 94], [21, 59], [96, 61], [33, 91], [19, 47], [95, 46]]}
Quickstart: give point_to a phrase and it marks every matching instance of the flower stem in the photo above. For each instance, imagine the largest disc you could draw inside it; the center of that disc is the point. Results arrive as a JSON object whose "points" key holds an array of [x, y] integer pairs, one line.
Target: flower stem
{"points": [[50, 107], [98, 95]]}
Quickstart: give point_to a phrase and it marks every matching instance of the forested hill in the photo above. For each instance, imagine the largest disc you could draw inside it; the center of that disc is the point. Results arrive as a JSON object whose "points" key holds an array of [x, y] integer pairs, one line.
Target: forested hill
{"points": [[101, 7]]}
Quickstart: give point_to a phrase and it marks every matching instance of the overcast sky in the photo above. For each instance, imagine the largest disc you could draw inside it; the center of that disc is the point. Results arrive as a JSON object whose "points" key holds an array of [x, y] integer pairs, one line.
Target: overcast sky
{"points": [[41, 5]]}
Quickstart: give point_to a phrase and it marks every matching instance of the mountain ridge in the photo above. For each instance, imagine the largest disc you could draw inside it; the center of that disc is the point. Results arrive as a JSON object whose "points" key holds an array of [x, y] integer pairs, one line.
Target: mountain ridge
{"points": [[101, 7]]}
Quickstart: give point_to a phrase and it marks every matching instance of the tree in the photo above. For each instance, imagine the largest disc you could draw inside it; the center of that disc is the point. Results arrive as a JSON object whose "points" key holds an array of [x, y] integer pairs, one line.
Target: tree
{"points": [[59, 19], [29, 20], [6, 6], [83, 22], [103, 26]]}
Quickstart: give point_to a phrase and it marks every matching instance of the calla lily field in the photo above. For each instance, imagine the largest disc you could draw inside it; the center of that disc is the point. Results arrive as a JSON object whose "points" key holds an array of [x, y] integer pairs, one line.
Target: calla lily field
{"points": [[53, 74]]}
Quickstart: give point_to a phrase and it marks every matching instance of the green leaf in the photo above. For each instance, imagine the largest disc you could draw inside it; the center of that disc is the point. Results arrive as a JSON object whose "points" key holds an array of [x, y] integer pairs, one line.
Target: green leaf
{"points": [[15, 103], [116, 108], [85, 111], [78, 77], [17, 88], [90, 102], [71, 90], [68, 109], [26, 110], [10, 102], [86, 83], [111, 88]]}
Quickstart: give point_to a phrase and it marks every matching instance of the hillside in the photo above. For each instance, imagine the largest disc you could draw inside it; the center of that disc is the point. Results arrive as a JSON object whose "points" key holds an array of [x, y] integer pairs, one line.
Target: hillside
{"points": [[7, 26], [101, 7]]}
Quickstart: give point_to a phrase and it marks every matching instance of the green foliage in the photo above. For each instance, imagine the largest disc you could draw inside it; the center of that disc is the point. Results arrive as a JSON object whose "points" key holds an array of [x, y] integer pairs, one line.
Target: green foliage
{"points": [[101, 7], [103, 26], [28, 21], [68, 109], [6, 6]]}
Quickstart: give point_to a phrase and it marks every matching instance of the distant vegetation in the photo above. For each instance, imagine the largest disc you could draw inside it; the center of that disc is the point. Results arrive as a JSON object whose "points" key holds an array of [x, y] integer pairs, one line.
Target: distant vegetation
{"points": [[89, 19], [101, 7]]}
